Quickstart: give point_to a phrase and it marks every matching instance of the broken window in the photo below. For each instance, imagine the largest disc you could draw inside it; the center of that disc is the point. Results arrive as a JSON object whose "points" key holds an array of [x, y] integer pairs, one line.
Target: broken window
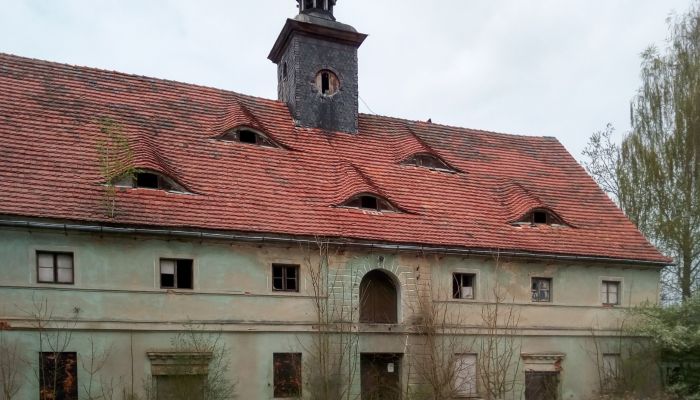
{"points": [[463, 286], [53, 267], [287, 374], [369, 202], [540, 217], [611, 371], [249, 136], [58, 376], [176, 274], [428, 161], [285, 278], [610, 293], [327, 83], [146, 179], [465, 375], [541, 385], [541, 289]]}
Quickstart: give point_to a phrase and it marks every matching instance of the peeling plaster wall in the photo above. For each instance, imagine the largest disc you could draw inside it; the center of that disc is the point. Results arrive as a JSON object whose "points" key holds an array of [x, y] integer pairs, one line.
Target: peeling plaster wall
{"points": [[121, 305]]}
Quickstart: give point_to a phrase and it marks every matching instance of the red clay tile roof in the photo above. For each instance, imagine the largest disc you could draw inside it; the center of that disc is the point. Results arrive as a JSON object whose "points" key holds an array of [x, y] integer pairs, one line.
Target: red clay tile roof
{"points": [[50, 128]]}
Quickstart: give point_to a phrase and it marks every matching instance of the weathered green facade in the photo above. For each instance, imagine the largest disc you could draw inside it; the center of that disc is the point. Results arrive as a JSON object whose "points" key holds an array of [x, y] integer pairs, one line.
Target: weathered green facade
{"points": [[116, 300]]}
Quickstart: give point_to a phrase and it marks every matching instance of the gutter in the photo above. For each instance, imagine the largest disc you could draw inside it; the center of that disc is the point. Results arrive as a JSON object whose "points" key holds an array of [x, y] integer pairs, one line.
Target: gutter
{"points": [[261, 238]]}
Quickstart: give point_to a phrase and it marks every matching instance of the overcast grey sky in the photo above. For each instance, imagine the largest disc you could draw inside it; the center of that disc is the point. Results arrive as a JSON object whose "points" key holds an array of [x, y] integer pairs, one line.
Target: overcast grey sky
{"points": [[560, 68]]}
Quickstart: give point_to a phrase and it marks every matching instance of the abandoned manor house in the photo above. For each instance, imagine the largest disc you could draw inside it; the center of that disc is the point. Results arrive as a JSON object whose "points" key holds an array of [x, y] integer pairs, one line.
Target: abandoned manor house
{"points": [[165, 240]]}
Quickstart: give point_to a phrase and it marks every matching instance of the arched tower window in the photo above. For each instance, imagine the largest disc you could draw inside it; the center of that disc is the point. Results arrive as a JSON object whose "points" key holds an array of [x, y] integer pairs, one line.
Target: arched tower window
{"points": [[378, 299]]}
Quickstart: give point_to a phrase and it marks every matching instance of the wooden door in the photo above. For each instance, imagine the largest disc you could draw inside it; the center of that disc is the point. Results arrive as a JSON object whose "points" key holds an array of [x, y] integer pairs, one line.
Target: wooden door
{"points": [[541, 385], [380, 376], [378, 299]]}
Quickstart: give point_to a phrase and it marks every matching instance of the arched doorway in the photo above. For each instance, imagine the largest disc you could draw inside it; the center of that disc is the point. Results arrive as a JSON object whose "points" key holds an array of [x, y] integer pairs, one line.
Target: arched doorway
{"points": [[378, 299]]}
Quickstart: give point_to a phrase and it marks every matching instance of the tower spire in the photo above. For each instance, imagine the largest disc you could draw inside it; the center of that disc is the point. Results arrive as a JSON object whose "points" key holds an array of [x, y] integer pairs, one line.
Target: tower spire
{"points": [[320, 8]]}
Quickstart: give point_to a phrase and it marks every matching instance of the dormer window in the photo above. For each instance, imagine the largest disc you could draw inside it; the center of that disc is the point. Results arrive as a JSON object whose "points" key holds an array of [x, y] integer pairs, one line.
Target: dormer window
{"points": [[540, 217], [247, 135], [370, 202], [146, 179], [430, 161]]}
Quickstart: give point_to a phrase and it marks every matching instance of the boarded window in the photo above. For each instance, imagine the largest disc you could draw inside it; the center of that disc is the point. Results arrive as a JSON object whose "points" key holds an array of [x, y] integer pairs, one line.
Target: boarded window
{"points": [[610, 293], [285, 278], [287, 374], [378, 299], [465, 375], [611, 371], [463, 286], [54, 267], [428, 161], [541, 289], [58, 376], [541, 385], [169, 387], [176, 274]]}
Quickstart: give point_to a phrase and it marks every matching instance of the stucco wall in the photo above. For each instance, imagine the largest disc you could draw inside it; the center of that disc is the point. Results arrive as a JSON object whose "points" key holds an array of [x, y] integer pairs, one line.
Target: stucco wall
{"points": [[121, 305]]}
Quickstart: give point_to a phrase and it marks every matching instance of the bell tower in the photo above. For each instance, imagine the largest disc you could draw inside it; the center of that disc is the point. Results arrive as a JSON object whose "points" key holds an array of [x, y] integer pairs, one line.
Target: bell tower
{"points": [[317, 69]]}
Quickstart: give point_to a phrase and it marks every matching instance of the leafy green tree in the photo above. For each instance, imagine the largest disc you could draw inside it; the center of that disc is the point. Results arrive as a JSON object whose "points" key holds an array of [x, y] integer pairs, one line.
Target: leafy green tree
{"points": [[655, 174], [674, 335]]}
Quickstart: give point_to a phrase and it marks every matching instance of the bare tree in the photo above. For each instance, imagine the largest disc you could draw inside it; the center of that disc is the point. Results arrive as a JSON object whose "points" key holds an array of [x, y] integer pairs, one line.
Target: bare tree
{"points": [[11, 366], [500, 343], [332, 362], [115, 161]]}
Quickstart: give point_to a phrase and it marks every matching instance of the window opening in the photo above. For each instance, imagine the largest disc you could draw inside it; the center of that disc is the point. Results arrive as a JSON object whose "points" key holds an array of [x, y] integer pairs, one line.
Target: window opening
{"points": [[465, 375], [54, 267], [58, 376], [285, 278], [325, 83], [539, 217], [286, 375], [176, 274], [463, 286], [369, 202], [542, 289], [246, 136], [147, 180], [284, 71], [610, 293]]}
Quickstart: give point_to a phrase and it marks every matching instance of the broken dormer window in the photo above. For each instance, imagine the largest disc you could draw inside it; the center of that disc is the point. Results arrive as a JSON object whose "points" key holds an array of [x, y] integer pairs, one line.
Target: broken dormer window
{"points": [[247, 135], [430, 161], [146, 179], [540, 217], [370, 202]]}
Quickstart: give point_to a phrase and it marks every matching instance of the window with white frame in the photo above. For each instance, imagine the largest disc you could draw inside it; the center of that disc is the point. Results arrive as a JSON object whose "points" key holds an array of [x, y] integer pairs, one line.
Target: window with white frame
{"points": [[610, 293], [465, 375]]}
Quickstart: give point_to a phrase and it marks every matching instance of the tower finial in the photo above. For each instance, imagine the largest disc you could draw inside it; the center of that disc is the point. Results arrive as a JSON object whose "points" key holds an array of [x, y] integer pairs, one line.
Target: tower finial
{"points": [[317, 7]]}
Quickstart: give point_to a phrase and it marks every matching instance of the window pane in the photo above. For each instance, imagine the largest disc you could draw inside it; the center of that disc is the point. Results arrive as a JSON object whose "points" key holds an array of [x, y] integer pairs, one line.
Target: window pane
{"points": [[612, 287], [64, 260], [612, 298], [167, 267], [45, 274], [278, 283], [287, 374], [291, 284], [184, 274], [45, 260], [465, 375], [65, 275]]}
